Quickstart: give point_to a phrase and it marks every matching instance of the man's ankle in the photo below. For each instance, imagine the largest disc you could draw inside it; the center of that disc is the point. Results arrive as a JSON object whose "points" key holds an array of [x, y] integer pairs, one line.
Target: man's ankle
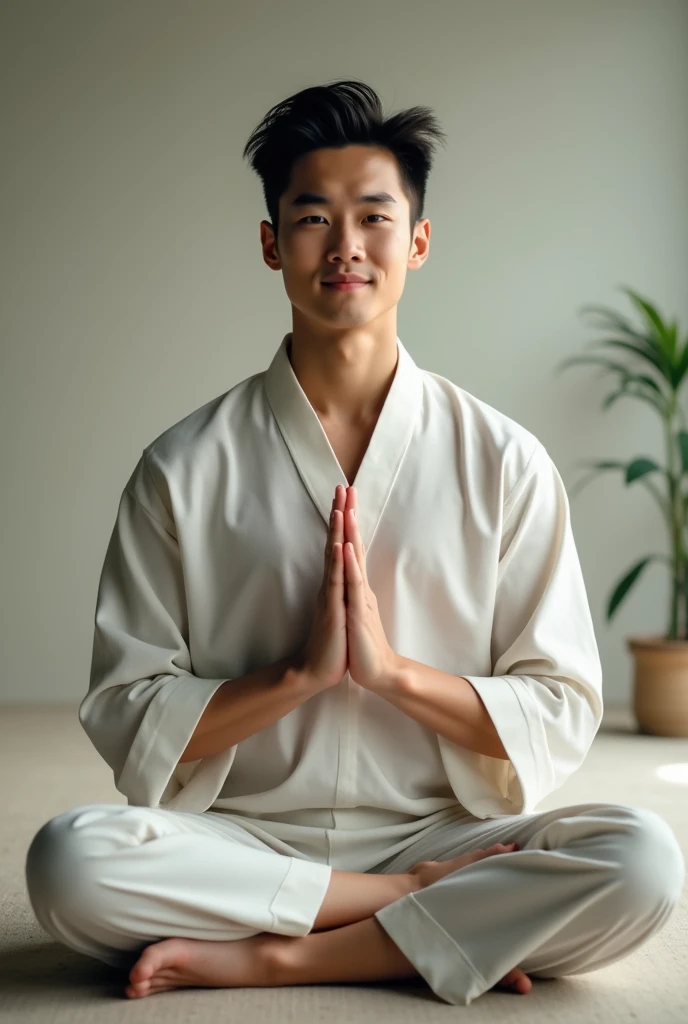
{"points": [[410, 883]]}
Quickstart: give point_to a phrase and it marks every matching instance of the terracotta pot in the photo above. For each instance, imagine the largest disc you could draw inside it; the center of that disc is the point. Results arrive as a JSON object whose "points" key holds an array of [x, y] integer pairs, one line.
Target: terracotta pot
{"points": [[660, 698]]}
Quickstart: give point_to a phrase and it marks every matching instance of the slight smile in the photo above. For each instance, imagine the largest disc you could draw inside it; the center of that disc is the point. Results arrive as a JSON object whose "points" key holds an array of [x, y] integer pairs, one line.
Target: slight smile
{"points": [[345, 286]]}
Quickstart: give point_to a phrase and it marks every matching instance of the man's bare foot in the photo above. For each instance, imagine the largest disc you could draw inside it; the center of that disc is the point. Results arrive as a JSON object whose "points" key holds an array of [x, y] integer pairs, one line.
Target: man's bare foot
{"points": [[257, 961], [184, 963], [425, 872], [240, 963], [516, 981]]}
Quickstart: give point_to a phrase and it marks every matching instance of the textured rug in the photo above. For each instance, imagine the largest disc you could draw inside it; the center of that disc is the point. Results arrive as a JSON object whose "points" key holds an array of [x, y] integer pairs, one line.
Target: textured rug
{"points": [[49, 765]]}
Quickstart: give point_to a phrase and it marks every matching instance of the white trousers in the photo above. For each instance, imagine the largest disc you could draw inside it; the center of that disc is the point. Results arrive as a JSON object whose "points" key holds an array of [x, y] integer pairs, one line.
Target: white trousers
{"points": [[591, 883]]}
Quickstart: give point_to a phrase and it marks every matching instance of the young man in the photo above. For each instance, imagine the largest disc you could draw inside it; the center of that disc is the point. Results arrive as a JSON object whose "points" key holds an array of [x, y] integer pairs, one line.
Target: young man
{"points": [[332, 765]]}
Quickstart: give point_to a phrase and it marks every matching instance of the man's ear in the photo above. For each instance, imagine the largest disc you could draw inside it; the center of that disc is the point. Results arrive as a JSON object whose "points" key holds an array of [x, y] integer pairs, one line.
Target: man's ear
{"points": [[420, 244], [268, 242]]}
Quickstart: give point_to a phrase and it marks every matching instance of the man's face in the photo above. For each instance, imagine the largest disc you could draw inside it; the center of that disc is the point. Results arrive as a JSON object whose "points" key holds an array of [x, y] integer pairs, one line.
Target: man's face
{"points": [[341, 233]]}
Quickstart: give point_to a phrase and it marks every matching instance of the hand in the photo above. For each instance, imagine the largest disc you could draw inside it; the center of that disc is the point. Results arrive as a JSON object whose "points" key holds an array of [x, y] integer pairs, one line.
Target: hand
{"points": [[323, 661], [371, 659]]}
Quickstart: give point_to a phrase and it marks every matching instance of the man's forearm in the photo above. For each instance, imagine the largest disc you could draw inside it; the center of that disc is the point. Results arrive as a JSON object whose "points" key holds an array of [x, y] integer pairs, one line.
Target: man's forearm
{"points": [[242, 706], [445, 703]]}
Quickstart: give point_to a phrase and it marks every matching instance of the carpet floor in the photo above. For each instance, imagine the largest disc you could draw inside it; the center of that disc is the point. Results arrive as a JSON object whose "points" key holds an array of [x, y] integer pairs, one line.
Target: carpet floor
{"points": [[52, 766]]}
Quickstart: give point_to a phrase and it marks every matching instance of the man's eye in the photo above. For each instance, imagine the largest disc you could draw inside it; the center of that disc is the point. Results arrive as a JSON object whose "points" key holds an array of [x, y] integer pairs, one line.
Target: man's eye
{"points": [[311, 215]]}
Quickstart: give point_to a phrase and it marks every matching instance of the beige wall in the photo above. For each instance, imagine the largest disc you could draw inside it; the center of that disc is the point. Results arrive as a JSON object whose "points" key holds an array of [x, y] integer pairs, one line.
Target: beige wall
{"points": [[133, 288]]}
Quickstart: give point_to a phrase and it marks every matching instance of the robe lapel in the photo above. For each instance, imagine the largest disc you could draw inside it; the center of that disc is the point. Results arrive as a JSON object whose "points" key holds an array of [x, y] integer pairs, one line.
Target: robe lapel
{"points": [[313, 454]]}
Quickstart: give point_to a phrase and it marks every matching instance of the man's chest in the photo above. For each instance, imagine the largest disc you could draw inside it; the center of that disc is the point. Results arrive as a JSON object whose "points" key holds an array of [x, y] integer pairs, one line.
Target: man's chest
{"points": [[349, 446], [255, 548]]}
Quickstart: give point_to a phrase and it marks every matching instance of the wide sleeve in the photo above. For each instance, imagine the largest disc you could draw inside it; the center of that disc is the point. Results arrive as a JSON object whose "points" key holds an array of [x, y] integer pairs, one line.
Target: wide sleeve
{"points": [[545, 693], [143, 701]]}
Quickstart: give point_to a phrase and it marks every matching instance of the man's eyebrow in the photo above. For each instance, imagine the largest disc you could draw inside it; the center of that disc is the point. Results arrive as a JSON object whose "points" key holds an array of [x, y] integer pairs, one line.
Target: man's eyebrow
{"points": [[312, 198]]}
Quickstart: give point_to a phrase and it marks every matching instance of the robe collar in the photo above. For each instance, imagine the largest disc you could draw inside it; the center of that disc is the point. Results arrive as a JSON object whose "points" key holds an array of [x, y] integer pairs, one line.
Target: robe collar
{"points": [[313, 454]]}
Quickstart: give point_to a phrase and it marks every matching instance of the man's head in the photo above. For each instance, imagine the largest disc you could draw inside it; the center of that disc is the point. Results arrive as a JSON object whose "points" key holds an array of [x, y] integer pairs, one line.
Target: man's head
{"points": [[345, 189]]}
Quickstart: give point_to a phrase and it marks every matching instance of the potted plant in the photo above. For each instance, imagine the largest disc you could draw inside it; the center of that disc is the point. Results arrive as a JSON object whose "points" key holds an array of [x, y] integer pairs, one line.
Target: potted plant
{"points": [[650, 363]]}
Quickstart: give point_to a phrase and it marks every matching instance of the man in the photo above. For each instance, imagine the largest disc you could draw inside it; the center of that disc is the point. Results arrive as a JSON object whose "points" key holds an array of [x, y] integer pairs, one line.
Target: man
{"points": [[332, 766]]}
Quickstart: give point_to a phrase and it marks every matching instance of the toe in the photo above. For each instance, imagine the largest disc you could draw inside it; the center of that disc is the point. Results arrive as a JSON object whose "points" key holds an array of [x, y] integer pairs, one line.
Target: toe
{"points": [[162, 985], [516, 981], [154, 957], [136, 991], [142, 969], [520, 981]]}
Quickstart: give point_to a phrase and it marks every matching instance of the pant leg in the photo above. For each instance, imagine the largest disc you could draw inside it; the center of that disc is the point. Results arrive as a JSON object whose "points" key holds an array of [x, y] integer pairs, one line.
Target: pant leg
{"points": [[108, 880], [590, 884]]}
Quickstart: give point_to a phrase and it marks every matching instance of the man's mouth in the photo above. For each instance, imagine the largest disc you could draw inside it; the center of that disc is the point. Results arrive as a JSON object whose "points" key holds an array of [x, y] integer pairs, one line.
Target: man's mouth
{"points": [[345, 286]]}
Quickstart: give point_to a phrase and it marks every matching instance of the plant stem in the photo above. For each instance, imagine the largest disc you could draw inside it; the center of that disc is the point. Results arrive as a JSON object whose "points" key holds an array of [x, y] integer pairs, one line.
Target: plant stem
{"points": [[677, 626]]}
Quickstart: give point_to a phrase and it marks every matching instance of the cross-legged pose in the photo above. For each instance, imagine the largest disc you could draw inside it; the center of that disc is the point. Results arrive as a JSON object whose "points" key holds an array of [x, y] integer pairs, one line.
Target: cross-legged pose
{"points": [[343, 649]]}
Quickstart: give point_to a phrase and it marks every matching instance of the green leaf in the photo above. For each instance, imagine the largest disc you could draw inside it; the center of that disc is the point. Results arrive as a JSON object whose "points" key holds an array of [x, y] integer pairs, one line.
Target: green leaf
{"points": [[610, 399], [625, 392], [683, 448], [608, 464], [672, 337], [598, 360], [611, 365], [681, 365], [656, 359], [643, 378], [639, 468], [623, 587], [619, 324], [641, 342], [597, 467], [604, 464], [654, 321]]}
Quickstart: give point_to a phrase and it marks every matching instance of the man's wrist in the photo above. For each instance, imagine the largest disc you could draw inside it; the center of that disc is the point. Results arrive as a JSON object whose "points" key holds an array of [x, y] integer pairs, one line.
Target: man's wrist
{"points": [[298, 679], [397, 676]]}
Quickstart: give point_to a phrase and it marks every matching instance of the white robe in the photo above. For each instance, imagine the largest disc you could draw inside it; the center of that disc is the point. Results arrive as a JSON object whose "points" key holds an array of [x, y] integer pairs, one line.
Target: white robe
{"points": [[212, 571]]}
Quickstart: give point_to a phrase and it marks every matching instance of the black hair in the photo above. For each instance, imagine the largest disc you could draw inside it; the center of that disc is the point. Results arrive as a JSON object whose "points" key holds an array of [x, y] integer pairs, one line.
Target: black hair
{"points": [[342, 113]]}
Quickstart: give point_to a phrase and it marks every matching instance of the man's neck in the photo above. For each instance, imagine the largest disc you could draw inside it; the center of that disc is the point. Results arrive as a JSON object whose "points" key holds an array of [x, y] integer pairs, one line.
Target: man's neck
{"points": [[346, 380]]}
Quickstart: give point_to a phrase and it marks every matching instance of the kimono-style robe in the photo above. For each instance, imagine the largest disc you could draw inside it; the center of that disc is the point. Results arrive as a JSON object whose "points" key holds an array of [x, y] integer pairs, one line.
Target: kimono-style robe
{"points": [[215, 561]]}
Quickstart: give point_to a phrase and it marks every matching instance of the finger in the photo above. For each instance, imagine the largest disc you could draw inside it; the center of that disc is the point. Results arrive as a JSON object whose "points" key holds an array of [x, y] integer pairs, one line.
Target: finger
{"points": [[354, 537], [327, 554], [353, 533], [332, 538], [336, 576], [336, 503], [342, 557], [354, 579], [340, 497], [336, 556]]}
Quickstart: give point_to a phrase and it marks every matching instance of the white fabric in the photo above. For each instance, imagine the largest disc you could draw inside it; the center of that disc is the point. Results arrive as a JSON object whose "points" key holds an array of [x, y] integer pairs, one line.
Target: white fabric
{"points": [[212, 571], [590, 884]]}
